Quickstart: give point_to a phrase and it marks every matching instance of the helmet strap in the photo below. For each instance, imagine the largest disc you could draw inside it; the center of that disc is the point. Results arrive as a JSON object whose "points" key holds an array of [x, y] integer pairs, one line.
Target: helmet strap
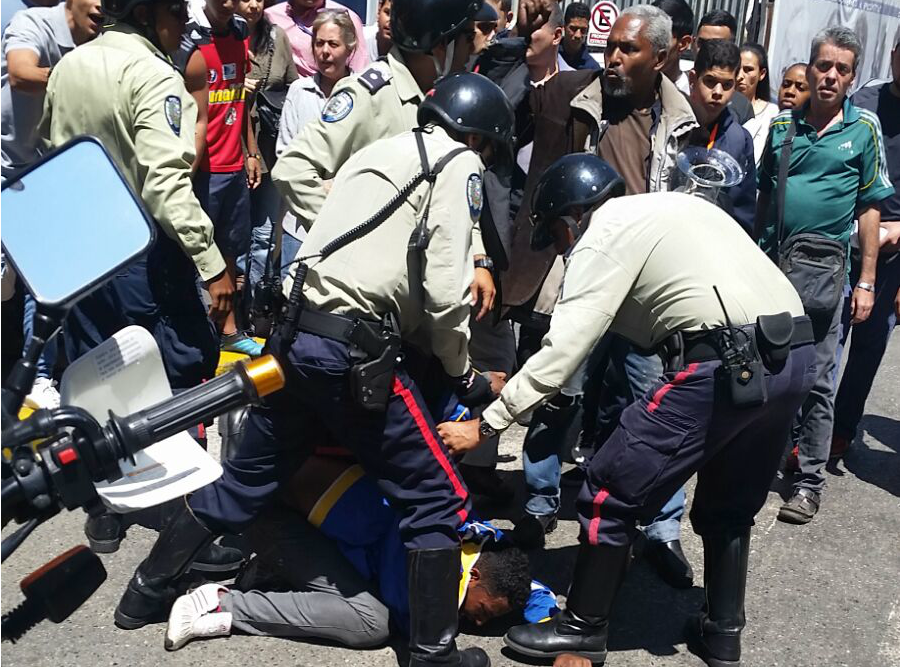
{"points": [[573, 225], [443, 69]]}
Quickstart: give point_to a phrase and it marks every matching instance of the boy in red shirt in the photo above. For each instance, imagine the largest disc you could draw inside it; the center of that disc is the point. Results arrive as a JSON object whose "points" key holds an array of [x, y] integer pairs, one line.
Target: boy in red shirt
{"points": [[222, 184]]}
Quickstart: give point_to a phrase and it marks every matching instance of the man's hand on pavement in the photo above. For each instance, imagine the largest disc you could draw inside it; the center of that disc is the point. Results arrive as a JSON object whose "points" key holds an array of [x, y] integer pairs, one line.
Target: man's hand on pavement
{"points": [[460, 437], [221, 292], [483, 291]]}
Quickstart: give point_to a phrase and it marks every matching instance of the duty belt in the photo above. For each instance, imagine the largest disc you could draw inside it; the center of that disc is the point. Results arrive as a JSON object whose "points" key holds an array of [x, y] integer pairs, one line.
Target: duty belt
{"points": [[705, 346], [357, 331]]}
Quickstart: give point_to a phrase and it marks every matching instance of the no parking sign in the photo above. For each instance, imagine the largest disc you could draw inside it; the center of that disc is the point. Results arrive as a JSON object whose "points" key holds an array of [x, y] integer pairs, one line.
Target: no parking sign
{"points": [[603, 15]]}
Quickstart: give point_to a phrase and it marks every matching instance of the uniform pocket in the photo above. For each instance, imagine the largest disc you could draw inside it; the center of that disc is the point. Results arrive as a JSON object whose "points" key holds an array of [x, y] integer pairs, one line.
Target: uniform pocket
{"points": [[643, 449]]}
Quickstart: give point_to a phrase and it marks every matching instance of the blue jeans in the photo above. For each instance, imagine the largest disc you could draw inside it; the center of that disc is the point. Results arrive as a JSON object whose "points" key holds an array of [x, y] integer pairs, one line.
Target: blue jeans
{"points": [[47, 361], [867, 346], [266, 209], [290, 246]]}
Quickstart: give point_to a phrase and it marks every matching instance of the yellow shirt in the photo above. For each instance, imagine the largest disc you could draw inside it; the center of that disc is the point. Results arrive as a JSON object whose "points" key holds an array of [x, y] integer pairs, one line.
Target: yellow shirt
{"points": [[124, 91], [645, 268], [378, 274]]}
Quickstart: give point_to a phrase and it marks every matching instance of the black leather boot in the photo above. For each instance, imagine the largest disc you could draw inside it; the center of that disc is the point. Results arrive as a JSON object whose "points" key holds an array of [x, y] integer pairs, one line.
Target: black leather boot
{"points": [[715, 635], [149, 593], [582, 627], [433, 611], [104, 532]]}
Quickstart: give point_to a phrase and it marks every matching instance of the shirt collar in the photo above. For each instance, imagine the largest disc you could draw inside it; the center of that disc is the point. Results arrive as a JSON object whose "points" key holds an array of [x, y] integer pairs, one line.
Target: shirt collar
{"points": [[61, 32], [118, 31], [851, 114], [407, 88]]}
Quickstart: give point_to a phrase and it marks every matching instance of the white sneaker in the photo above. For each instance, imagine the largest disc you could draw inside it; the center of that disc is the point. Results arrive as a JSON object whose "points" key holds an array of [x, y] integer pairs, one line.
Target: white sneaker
{"points": [[194, 615], [43, 395]]}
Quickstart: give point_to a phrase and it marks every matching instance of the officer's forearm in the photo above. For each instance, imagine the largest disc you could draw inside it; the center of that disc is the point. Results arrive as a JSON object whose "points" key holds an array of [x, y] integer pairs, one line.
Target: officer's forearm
{"points": [[869, 229]]}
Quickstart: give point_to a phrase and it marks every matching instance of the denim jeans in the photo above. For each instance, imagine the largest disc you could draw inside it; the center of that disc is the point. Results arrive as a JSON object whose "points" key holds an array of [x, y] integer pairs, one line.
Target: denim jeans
{"points": [[266, 209], [867, 346], [47, 361], [290, 246]]}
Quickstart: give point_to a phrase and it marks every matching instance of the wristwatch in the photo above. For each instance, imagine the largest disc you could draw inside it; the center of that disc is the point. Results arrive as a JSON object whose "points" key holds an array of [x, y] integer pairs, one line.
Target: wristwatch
{"points": [[486, 431], [254, 156], [868, 287], [484, 263]]}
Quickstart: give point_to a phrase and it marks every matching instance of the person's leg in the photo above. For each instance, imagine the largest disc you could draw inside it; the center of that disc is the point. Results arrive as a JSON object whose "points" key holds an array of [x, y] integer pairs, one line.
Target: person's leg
{"points": [[290, 248], [814, 425], [492, 348], [327, 597], [43, 394], [248, 481], [867, 347], [731, 489], [400, 447]]}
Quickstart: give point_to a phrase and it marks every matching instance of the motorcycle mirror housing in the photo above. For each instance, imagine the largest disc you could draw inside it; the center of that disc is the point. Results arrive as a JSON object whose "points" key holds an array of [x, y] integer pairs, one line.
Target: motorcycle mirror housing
{"points": [[70, 221]]}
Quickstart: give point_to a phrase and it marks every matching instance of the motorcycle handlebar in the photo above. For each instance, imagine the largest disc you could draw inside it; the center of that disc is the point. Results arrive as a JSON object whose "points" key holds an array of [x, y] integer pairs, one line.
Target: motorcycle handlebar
{"points": [[246, 384]]}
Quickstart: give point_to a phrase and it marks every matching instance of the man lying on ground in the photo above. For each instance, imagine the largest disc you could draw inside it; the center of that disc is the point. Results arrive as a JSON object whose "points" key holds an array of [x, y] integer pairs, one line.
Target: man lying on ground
{"points": [[342, 572]]}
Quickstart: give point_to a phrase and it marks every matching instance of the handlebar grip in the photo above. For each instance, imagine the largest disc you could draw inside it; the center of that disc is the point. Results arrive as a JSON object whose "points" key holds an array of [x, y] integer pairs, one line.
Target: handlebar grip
{"points": [[247, 383]]}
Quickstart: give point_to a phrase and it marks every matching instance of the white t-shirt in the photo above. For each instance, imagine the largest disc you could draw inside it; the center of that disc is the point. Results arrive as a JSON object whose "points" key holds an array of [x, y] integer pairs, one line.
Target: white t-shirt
{"points": [[758, 127]]}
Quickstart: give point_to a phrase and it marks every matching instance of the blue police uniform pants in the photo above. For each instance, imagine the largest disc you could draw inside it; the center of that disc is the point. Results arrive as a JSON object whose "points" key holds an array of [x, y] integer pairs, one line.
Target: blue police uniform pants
{"points": [[685, 424], [399, 447], [158, 292]]}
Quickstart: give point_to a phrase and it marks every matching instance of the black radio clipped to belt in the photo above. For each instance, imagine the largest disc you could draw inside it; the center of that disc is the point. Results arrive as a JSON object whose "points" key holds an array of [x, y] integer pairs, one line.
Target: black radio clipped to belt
{"points": [[742, 368]]}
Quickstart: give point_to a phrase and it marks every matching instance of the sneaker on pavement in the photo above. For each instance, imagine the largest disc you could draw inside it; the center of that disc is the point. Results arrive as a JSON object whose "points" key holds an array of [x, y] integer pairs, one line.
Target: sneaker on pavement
{"points": [[839, 447], [801, 508], [43, 395], [196, 615], [241, 343]]}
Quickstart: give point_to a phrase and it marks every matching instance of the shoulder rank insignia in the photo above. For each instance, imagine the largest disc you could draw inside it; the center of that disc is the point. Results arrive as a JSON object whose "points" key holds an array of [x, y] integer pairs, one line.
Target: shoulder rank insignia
{"points": [[375, 77]]}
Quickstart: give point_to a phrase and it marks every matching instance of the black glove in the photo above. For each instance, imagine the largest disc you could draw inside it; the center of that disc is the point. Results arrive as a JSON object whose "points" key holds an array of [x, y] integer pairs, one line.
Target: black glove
{"points": [[473, 390]]}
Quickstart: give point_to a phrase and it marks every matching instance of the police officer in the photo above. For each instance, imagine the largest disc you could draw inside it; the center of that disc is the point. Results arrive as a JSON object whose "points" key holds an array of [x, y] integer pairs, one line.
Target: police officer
{"points": [[431, 39], [386, 267], [123, 89], [668, 271]]}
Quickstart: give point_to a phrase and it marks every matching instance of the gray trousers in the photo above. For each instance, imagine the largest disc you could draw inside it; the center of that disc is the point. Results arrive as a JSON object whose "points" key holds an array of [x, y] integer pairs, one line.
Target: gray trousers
{"points": [[326, 596], [492, 348], [815, 421]]}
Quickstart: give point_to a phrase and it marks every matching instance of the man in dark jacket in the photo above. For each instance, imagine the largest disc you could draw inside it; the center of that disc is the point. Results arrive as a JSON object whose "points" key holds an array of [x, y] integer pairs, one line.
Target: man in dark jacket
{"points": [[573, 48], [712, 86]]}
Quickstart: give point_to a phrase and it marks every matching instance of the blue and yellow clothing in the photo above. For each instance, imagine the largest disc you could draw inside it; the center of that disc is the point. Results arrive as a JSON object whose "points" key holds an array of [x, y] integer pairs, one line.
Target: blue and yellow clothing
{"points": [[354, 513], [829, 176]]}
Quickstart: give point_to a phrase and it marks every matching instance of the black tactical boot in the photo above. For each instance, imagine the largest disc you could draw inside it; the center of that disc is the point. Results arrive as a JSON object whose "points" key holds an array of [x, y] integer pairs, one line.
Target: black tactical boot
{"points": [[715, 635], [149, 593], [104, 532], [583, 626], [433, 611]]}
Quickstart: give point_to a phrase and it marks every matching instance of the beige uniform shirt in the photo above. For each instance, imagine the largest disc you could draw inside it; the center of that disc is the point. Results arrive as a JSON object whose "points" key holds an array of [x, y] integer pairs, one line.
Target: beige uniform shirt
{"points": [[644, 269], [376, 274], [122, 90], [378, 103]]}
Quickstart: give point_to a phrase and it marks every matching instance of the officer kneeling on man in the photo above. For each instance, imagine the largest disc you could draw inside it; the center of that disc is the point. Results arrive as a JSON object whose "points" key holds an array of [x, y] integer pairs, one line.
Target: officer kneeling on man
{"points": [[388, 261], [669, 271]]}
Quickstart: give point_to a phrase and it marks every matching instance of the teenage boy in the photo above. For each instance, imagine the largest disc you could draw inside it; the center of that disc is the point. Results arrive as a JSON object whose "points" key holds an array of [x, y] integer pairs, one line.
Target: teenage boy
{"points": [[222, 183], [713, 82]]}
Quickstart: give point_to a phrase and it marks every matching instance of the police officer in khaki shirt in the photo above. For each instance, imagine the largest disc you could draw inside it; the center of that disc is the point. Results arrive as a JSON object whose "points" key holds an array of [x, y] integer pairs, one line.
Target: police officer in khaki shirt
{"points": [[431, 38], [645, 267], [123, 89], [399, 275]]}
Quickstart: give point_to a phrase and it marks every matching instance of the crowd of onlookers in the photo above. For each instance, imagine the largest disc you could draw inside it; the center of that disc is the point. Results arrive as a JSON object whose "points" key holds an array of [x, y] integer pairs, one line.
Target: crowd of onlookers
{"points": [[280, 62]]}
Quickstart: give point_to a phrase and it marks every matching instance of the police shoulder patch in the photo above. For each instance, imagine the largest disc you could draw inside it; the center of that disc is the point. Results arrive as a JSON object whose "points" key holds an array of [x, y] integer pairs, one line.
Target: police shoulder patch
{"points": [[172, 110], [338, 107], [475, 196]]}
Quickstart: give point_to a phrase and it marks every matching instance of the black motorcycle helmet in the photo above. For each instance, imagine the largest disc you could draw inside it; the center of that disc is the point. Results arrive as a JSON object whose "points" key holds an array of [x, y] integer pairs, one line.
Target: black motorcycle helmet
{"points": [[472, 104], [119, 9], [420, 25], [578, 179]]}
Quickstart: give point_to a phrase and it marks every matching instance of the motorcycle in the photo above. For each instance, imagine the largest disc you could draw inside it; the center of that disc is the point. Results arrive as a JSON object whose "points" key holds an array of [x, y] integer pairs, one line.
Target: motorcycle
{"points": [[118, 439]]}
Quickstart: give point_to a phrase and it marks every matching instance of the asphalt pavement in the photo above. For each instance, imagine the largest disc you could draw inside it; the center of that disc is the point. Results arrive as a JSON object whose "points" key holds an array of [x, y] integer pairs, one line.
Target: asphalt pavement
{"points": [[825, 594]]}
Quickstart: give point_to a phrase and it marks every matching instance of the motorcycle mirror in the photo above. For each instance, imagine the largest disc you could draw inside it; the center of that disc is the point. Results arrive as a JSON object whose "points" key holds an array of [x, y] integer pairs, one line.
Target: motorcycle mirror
{"points": [[70, 221]]}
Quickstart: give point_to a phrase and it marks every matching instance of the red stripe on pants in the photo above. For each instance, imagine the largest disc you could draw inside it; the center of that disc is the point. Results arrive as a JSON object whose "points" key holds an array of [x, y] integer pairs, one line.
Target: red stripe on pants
{"points": [[436, 451], [594, 527], [679, 378]]}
